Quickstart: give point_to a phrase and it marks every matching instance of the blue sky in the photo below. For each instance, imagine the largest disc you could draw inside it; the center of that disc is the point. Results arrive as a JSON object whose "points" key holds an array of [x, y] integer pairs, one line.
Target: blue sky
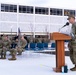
{"points": [[48, 3]]}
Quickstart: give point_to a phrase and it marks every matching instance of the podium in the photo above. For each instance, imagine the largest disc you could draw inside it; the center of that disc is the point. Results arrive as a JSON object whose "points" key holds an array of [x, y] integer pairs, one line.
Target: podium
{"points": [[60, 53]]}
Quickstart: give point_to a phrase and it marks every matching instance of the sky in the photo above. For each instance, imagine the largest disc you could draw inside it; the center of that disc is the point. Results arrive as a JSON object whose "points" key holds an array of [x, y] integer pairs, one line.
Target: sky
{"points": [[45, 3]]}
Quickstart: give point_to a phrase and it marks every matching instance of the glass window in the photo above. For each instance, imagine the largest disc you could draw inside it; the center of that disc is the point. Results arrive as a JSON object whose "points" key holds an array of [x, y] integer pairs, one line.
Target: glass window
{"points": [[20, 9], [41, 10], [15, 8], [54, 11], [2, 7], [69, 12], [11, 8], [25, 9], [8, 8]]}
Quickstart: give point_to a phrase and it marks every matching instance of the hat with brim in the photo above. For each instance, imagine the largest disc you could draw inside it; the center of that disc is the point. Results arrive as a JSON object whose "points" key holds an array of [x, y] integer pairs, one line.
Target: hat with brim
{"points": [[71, 16]]}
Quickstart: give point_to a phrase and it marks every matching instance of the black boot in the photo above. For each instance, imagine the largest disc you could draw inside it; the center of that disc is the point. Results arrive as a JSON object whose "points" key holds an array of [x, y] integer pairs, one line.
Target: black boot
{"points": [[1, 55], [73, 69], [13, 57], [4, 56]]}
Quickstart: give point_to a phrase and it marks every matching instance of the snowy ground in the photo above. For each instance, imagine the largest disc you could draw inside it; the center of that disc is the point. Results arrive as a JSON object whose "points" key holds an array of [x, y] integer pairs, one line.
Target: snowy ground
{"points": [[32, 64]]}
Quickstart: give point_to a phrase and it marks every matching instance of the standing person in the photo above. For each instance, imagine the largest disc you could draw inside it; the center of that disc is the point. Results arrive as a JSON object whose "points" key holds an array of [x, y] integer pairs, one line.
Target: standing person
{"points": [[72, 43], [6, 45], [1, 46]]}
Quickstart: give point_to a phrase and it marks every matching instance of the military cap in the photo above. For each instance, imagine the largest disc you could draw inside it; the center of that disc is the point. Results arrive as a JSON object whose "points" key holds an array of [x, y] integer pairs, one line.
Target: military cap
{"points": [[70, 16]]}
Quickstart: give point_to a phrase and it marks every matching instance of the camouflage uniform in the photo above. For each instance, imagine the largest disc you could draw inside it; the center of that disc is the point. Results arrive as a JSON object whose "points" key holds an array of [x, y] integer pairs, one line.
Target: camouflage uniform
{"points": [[13, 50], [38, 40], [72, 44], [1, 46], [6, 46], [20, 47], [45, 40], [31, 40]]}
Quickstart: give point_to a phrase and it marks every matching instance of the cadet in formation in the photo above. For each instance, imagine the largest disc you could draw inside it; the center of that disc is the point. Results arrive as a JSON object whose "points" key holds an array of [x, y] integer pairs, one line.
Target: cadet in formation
{"points": [[14, 46], [13, 50], [1, 46], [17, 46], [5, 46], [21, 43]]}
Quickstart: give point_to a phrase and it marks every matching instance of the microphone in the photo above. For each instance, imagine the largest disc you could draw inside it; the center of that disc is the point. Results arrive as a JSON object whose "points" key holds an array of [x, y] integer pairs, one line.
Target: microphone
{"points": [[67, 23]]}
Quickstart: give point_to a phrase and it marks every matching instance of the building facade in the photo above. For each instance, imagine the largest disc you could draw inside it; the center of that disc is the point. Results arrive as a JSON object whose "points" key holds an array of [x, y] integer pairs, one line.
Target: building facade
{"points": [[32, 19]]}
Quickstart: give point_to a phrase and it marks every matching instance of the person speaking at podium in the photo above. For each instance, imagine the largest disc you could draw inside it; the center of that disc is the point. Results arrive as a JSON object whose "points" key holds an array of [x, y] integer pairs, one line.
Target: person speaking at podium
{"points": [[72, 42]]}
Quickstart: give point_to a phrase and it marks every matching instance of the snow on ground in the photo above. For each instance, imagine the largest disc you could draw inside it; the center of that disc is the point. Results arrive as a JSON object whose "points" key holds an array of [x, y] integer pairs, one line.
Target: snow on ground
{"points": [[32, 64]]}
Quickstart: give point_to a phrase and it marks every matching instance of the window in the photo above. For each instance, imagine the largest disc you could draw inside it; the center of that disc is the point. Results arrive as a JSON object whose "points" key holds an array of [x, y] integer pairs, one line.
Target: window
{"points": [[2, 7], [69, 12], [54, 11], [8, 8], [41, 10], [25, 9]]}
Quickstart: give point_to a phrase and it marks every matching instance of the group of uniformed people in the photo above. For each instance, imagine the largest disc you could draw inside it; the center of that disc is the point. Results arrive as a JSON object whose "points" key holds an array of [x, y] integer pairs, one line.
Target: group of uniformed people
{"points": [[13, 45], [16, 44]]}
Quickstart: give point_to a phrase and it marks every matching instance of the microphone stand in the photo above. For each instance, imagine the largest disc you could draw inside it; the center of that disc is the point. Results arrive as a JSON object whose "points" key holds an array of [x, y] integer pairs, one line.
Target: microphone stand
{"points": [[64, 26], [60, 29]]}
